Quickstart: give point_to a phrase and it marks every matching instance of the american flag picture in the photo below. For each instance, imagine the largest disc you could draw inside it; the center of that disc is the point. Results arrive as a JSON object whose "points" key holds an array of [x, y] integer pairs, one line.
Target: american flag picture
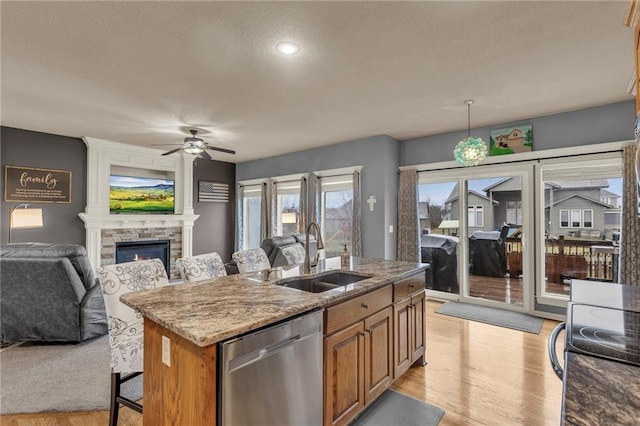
{"points": [[213, 192]]}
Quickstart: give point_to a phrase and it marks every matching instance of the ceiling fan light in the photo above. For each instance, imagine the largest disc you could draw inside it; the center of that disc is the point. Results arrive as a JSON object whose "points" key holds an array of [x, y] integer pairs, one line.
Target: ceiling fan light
{"points": [[194, 147]]}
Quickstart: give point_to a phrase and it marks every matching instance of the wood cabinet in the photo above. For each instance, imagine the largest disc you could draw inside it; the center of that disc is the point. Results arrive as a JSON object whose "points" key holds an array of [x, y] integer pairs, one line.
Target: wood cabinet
{"points": [[358, 359], [409, 325]]}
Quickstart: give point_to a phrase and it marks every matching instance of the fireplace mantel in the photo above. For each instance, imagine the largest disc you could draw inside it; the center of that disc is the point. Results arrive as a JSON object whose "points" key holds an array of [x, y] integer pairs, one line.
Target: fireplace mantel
{"points": [[101, 156]]}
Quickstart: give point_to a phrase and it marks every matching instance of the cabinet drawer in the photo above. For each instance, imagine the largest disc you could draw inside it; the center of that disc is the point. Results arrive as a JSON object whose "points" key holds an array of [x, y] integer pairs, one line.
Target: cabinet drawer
{"points": [[356, 309], [408, 286]]}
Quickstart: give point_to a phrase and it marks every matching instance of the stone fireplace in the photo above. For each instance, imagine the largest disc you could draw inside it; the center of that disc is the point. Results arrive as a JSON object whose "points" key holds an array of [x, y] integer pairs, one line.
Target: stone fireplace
{"points": [[104, 230]]}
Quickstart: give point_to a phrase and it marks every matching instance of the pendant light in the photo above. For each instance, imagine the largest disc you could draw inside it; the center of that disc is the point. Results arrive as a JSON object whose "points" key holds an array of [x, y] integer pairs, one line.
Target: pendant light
{"points": [[470, 151]]}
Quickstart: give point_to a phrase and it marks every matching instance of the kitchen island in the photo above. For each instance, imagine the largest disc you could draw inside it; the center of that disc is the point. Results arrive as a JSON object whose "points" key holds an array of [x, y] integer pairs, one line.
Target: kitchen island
{"points": [[380, 319]]}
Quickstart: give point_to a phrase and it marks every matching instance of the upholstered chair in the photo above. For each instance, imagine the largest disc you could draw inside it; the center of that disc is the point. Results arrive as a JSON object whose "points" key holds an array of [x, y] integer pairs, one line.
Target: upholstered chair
{"points": [[201, 267], [126, 325], [294, 254], [251, 260]]}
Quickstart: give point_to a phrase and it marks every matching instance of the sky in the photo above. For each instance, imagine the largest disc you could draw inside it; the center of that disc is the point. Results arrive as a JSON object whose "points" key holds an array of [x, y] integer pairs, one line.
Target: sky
{"points": [[132, 182]]}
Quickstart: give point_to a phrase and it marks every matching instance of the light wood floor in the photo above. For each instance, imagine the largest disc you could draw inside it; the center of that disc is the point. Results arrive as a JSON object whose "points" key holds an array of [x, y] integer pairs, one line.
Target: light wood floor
{"points": [[479, 374]]}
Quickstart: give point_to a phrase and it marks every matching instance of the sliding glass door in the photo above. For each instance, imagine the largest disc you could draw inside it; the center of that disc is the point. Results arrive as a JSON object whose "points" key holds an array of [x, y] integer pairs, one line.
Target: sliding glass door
{"points": [[579, 221], [477, 230], [473, 225]]}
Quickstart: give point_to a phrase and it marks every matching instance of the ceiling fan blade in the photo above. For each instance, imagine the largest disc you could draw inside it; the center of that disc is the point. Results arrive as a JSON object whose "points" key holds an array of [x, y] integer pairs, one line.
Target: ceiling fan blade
{"points": [[215, 148], [172, 151], [205, 155]]}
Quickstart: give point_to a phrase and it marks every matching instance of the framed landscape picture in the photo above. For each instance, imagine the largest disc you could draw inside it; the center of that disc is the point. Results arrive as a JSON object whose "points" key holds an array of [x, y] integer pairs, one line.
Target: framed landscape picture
{"points": [[511, 140]]}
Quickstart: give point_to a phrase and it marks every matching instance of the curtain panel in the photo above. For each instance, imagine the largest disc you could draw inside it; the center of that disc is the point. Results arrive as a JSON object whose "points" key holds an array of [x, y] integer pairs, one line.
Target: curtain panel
{"points": [[630, 241], [273, 209], [408, 229], [316, 202], [239, 243], [304, 211], [356, 228], [264, 212]]}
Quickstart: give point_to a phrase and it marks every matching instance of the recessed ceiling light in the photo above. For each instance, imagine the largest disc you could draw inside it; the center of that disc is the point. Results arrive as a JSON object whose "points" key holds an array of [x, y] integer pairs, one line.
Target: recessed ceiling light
{"points": [[287, 48]]}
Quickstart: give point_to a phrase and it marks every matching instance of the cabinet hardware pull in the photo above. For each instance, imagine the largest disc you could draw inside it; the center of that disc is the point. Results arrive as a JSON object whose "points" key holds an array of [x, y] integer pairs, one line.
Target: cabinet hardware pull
{"points": [[364, 305], [361, 334], [412, 285]]}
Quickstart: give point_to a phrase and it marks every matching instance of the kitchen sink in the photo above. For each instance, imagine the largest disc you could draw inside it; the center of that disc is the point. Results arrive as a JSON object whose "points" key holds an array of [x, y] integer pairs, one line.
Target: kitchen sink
{"points": [[322, 283], [341, 278]]}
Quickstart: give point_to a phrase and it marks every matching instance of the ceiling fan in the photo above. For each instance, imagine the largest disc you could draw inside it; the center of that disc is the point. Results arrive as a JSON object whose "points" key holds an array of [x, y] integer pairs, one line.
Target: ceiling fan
{"points": [[197, 146]]}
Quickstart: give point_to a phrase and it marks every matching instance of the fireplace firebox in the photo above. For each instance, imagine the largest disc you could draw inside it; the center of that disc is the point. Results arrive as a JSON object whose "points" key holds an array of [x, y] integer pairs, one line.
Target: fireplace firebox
{"points": [[130, 251]]}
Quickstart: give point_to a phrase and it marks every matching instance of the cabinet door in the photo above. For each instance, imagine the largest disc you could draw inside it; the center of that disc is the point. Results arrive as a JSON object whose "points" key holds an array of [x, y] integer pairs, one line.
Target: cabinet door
{"points": [[403, 325], [344, 375], [418, 326], [378, 354]]}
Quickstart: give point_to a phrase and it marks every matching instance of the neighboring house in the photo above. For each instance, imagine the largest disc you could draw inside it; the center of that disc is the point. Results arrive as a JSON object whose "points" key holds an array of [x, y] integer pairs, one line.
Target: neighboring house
{"points": [[610, 198], [513, 140], [579, 208], [480, 210]]}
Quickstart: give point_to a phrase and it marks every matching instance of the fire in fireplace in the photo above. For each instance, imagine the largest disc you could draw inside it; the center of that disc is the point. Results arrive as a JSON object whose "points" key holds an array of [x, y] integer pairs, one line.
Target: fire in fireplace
{"points": [[130, 251]]}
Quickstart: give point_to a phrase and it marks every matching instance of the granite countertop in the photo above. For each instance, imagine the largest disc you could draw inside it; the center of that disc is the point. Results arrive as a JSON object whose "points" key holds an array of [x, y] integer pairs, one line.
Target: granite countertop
{"points": [[600, 392], [207, 312]]}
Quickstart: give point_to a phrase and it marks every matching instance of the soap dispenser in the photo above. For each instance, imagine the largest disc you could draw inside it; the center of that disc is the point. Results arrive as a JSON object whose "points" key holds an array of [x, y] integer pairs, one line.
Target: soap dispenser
{"points": [[345, 258]]}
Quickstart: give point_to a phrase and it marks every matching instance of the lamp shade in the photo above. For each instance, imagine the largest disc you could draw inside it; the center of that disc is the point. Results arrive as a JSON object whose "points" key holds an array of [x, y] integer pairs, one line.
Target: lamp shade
{"points": [[470, 151], [26, 218], [289, 217]]}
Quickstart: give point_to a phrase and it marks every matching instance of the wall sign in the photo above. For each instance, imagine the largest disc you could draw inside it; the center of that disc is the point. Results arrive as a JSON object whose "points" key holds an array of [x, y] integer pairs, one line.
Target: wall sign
{"points": [[26, 184]]}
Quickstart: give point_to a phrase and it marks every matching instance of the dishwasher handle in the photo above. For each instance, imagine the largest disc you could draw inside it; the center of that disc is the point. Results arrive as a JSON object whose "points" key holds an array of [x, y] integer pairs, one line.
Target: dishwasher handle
{"points": [[553, 338]]}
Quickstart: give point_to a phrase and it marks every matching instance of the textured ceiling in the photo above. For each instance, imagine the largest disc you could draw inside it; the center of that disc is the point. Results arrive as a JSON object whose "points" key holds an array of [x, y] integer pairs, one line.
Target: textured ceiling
{"points": [[144, 72]]}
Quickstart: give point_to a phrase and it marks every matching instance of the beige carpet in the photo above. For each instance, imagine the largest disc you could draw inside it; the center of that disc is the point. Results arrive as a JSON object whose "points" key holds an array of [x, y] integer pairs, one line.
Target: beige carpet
{"points": [[38, 378]]}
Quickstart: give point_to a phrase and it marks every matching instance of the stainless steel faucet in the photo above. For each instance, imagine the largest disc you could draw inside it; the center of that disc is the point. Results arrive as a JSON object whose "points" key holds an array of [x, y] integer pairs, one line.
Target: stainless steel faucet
{"points": [[319, 246]]}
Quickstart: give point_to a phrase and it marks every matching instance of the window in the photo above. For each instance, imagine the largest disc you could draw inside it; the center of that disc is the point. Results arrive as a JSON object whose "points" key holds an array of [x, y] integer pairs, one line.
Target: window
{"points": [[576, 217], [564, 218], [288, 207], [336, 213], [587, 218], [476, 217], [251, 206], [514, 212]]}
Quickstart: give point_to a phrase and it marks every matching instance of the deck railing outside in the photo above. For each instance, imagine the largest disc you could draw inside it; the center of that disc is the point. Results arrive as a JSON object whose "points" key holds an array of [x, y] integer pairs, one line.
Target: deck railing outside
{"points": [[570, 258]]}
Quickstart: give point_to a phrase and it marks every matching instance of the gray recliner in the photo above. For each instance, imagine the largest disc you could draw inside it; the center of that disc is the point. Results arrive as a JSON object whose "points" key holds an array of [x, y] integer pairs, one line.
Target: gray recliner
{"points": [[49, 293], [273, 247]]}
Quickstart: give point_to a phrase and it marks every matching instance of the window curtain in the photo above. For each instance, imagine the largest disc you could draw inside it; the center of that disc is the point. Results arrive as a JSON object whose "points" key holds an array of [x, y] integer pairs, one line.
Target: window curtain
{"points": [[304, 190], [630, 241], [239, 243], [264, 212], [408, 230], [356, 228], [273, 209], [315, 203]]}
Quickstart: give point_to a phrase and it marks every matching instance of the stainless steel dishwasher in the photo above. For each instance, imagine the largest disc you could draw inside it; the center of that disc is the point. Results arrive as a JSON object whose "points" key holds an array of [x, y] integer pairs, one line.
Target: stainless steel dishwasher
{"points": [[273, 376]]}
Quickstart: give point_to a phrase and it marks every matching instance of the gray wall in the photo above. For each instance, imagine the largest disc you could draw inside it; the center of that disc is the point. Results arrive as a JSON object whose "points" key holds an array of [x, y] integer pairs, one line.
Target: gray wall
{"points": [[214, 229], [609, 123], [379, 156], [42, 150]]}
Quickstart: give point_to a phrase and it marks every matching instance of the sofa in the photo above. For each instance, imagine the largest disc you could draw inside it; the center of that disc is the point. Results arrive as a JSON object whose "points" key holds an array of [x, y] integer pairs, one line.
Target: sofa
{"points": [[273, 247], [49, 293]]}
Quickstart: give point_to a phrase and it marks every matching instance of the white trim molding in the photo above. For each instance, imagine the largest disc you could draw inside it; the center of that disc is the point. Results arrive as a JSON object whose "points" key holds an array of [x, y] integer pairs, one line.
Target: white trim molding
{"points": [[102, 155]]}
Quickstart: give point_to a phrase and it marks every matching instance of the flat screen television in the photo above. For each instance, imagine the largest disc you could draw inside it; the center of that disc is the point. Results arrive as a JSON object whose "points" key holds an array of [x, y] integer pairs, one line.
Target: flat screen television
{"points": [[134, 194]]}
